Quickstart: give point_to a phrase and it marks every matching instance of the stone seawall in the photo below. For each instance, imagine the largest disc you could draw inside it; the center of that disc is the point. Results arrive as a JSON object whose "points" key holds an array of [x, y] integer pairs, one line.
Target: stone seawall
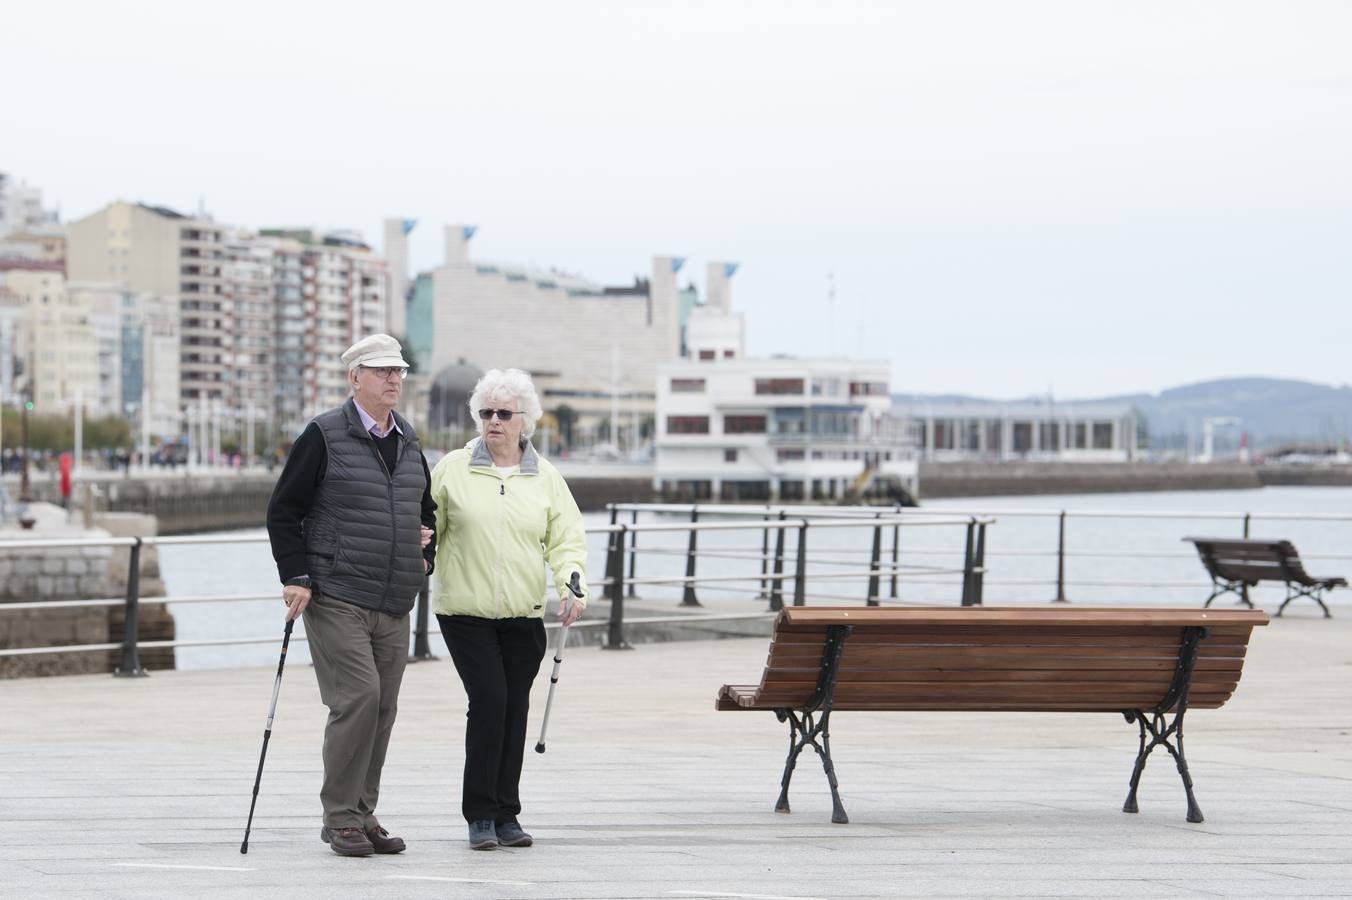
{"points": [[77, 573], [220, 502], [992, 479]]}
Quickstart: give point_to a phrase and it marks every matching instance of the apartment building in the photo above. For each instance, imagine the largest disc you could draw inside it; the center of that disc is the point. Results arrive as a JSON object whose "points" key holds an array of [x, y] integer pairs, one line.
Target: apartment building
{"points": [[155, 250], [330, 290], [21, 209], [137, 337], [249, 297], [55, 348]]}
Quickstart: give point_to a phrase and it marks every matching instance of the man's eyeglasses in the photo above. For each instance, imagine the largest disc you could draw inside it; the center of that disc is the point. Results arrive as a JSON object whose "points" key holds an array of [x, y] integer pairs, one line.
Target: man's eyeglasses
{"points": [[504, 415], [387, 371]]}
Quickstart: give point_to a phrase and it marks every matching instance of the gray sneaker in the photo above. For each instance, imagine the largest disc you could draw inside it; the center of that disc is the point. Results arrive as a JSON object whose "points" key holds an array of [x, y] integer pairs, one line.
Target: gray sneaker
{"points": [[511, 835], [482, 836]]}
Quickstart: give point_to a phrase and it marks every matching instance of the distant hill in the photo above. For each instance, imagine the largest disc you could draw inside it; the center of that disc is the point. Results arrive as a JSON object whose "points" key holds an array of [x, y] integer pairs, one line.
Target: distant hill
{"points": [[1274, 411]]}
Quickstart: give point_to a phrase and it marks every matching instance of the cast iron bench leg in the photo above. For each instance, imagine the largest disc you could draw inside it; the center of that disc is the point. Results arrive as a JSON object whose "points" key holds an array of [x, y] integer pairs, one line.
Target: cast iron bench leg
{"points": [[1161, 733]]}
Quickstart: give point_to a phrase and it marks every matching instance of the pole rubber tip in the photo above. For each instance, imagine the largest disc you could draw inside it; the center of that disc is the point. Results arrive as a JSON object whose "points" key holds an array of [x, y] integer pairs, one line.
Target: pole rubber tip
{"points": [[244, 847], [540, 747]]}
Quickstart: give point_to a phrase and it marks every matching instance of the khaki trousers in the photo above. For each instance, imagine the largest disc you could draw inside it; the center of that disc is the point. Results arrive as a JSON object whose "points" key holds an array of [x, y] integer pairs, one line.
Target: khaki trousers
{"points": [[359, 658]]}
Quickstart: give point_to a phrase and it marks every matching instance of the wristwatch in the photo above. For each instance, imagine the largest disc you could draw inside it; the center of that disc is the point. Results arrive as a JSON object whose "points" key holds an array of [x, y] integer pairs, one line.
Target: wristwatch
{"points": [[300, 581]]}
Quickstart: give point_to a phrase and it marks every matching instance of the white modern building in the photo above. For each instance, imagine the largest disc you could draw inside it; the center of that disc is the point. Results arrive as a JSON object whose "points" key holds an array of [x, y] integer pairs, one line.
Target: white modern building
{"points": [[783, 429], [592, 349], [986, 430]]}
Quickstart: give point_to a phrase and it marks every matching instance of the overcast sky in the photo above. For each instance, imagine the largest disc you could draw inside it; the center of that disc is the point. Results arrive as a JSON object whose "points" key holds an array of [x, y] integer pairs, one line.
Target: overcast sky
{"points": [[1082, 197]]}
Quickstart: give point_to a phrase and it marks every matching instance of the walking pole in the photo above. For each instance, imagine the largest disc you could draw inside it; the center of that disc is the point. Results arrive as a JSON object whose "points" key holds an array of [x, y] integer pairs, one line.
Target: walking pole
{"points": [[267, 732], [576, 587]]}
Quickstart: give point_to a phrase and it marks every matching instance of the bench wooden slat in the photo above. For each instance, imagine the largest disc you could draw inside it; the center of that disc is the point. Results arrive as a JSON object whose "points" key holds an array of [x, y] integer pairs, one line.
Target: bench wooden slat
{"points": [[924, 700], [996, 658], [995, 633], [977, 675], [1129, 617]]}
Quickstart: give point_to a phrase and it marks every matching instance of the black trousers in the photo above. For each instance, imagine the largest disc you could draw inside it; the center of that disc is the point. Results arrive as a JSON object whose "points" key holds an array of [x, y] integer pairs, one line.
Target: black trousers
{"points": [[498, 660]]}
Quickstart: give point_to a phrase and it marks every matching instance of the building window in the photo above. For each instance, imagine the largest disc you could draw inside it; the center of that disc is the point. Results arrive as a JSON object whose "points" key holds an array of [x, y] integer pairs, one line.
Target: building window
{"points": [[779, 385], [1103, 435], [706, 355], [729, 354], [687, 424], [744, 424], [867, 388], [730, 455], [792, 455], [687, 385]]}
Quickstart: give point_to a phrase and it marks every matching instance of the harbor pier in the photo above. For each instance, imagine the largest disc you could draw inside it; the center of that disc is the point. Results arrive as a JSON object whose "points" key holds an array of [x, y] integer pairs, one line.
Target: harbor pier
{"points": [[136, 788]]}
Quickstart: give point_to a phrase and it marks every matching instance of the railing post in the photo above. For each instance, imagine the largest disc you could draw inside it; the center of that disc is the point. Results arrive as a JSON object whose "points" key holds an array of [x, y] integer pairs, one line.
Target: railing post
{"points": [[421, 650], [765, 553], [979, 569], [633, 543], [800, 567], [967, 564], [896, 550], [688, 597], [777, 585], [1061, 559], [1247, 516], [875, 560], [615, 572], [131, 663]]}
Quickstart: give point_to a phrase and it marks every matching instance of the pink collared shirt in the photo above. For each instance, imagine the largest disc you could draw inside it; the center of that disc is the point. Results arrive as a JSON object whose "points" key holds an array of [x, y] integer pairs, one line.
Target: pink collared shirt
{"points": [[374, 427]]}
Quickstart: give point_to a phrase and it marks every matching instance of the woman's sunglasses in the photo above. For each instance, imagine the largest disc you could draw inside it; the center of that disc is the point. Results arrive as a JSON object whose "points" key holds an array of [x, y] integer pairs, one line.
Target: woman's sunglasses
{"points": [[504, 415]]}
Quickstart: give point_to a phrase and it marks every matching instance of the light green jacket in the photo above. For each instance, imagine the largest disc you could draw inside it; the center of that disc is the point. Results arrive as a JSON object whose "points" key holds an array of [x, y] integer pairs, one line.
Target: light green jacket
{"points": [[495, 535]]}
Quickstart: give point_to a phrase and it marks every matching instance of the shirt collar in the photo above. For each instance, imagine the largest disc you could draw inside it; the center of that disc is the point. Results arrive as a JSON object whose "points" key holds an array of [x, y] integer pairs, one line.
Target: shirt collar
{"points": [[374, 427]]}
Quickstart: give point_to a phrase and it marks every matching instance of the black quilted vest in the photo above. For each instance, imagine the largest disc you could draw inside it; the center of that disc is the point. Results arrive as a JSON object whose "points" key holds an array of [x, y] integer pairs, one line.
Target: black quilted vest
{"points": [[361, 535]]}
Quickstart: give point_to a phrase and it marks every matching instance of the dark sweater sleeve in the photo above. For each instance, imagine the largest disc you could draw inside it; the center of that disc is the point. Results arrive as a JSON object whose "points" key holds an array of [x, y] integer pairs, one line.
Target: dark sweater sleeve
{"points": [[291, 500], [429, 518]]}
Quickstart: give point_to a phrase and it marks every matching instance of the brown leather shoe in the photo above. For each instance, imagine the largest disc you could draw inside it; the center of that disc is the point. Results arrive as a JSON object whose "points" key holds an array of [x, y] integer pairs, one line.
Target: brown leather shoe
{"points": [[383, 842], [347, 841]]}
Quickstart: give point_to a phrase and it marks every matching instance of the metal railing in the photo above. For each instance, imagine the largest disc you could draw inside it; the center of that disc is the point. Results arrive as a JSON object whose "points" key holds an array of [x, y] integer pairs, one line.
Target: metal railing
{"points": [[616, 585]]}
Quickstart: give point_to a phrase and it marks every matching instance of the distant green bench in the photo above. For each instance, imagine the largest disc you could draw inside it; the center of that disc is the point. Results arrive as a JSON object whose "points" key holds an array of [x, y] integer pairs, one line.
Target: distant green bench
{"points": [[1142, 663], [1237, 564]]}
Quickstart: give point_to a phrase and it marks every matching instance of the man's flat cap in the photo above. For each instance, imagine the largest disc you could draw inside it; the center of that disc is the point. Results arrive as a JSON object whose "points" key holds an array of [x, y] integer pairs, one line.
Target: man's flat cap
{"points": [[375, 351]]}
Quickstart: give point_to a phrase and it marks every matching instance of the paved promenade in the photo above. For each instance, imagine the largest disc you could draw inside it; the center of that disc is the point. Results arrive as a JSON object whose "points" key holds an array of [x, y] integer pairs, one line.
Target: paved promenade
{"points": [[140, 787]]}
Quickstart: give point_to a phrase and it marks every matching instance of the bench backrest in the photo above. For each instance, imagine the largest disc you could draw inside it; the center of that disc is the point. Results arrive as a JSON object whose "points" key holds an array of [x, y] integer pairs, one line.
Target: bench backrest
{"points": [[988, 658], [1249, 559]]}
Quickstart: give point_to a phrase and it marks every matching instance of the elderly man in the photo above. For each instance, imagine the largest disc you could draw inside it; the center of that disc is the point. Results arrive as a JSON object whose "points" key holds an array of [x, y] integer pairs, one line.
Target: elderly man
{"points": [[350, 523]]}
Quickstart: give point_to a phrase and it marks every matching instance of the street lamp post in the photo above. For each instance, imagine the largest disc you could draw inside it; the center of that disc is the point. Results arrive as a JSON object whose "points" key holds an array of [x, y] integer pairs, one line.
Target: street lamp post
{"points": [[25, 493], [26, 518]]}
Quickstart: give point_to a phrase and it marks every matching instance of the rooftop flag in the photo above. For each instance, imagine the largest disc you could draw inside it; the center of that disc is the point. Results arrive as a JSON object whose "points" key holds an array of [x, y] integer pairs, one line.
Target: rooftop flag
{"points": [[729, 269], [408, 225], [469, 230], [677, 262]]}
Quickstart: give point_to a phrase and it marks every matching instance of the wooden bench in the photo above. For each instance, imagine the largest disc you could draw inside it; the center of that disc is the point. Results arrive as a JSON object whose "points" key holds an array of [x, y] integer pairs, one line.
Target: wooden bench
{"points": [[1142, 663], [1237, 564]]}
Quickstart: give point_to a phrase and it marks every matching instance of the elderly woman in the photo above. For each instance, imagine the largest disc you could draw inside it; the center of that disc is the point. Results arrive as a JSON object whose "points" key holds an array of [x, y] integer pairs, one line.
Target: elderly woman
{"points": [[503, 514]]}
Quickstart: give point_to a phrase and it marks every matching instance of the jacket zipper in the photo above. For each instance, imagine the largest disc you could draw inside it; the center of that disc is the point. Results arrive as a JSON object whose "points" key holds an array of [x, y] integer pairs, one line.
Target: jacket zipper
{"points": [[502, 524], [389, 495]]}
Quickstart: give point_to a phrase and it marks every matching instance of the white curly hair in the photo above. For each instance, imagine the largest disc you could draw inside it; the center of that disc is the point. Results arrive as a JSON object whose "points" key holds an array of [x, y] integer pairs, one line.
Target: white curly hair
{"points": [[502, 386]]}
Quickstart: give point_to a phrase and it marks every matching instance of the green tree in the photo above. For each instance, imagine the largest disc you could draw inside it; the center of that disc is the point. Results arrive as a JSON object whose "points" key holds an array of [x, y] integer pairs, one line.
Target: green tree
{"points": [[566, 417], [57, 432]]}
